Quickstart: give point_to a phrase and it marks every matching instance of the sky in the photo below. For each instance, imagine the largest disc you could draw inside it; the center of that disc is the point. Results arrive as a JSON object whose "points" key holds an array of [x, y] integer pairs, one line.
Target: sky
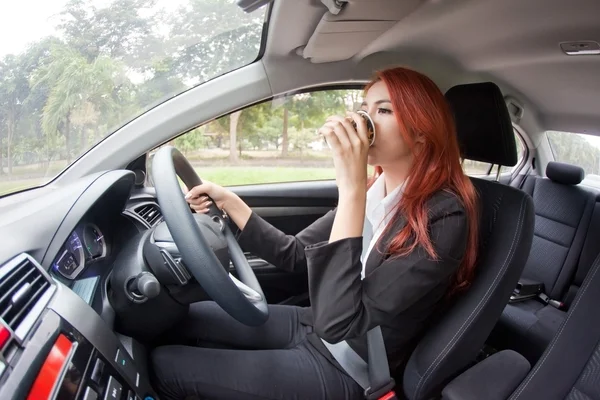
{"points": [[25, 21]]}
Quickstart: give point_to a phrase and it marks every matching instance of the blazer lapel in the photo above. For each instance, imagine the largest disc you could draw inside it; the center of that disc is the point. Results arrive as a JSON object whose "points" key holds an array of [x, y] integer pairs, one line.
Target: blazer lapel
{"points": [[377, 254]]}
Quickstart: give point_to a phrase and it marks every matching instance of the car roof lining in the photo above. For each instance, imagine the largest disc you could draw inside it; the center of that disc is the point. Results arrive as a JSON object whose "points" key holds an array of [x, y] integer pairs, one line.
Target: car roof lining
{"points": [[510, 42]]}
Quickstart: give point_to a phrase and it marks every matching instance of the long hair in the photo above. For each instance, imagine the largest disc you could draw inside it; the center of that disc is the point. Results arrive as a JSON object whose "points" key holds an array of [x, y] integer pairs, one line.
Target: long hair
{"points": [[422, 111]]}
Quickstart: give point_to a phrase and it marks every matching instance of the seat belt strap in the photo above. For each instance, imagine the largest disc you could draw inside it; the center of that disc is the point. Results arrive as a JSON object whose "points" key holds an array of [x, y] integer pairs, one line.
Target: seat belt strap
{"points": [[374, 377], [350, 361], [379, 368]]}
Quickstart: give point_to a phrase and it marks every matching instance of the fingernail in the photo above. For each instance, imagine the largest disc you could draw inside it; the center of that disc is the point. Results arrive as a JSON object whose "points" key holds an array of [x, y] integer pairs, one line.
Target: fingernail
{"points": [[188, 195]]}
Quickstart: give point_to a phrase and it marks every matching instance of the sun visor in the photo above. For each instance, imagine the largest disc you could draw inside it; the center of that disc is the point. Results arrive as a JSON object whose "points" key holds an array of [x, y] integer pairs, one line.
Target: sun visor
{"points": [[340, 37]]}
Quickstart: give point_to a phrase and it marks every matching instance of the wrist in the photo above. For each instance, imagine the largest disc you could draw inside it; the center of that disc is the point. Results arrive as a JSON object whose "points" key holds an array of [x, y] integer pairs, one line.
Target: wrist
{"points": [[229, 201], [352, 191]]}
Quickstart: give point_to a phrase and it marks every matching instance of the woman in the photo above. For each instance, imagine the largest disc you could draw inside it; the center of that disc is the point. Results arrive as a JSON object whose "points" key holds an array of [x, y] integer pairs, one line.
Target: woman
{"points": [[394, 250]]}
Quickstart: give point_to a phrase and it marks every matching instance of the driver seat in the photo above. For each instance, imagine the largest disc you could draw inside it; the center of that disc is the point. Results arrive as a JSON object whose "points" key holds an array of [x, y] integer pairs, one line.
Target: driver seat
{"points": [[506, 226], [568, 369]]}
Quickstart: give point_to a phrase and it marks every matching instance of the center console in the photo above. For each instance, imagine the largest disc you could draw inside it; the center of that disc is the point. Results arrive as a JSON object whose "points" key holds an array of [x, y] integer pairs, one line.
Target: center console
{"points": [[53, 345]]}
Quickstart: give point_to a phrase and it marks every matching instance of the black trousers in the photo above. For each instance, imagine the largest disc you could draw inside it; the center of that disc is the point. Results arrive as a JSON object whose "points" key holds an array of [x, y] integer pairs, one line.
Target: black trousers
{"points": [[210, 355]]}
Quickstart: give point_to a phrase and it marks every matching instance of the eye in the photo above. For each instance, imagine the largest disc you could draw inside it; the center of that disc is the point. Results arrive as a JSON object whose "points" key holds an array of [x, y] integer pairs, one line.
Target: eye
{"points": [[384, 111]]}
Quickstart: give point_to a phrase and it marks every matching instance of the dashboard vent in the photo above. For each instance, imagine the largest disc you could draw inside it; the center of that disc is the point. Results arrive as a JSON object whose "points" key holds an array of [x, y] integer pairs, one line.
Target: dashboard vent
{"points": [[24, 293], [149, 213]]}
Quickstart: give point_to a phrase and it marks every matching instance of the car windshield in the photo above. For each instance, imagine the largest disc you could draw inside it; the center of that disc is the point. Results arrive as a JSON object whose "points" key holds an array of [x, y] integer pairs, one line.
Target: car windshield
{"points": [[577, 149], [74, 71]]}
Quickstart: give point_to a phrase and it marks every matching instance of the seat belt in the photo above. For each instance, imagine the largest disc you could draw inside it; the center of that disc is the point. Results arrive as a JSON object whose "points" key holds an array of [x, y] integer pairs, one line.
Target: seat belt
{"points": [[374, 377]]}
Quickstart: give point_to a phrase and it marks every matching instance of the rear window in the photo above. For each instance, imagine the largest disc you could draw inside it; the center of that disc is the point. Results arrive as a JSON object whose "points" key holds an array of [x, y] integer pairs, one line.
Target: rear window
{"points": [[577, 149]]}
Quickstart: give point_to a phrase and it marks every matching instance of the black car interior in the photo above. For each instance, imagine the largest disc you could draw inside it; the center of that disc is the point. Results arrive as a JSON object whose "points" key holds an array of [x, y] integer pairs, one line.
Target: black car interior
{"points": [[80, 324]]}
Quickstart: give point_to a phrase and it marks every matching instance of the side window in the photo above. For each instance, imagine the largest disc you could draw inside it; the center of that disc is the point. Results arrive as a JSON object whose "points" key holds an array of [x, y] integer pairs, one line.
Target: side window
{"points": [[271, 142], [477, 168]]}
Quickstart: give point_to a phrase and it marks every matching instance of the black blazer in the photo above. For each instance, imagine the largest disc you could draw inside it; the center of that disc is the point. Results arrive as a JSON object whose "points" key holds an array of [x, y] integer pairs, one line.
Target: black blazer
{"points": [[400, 294]]}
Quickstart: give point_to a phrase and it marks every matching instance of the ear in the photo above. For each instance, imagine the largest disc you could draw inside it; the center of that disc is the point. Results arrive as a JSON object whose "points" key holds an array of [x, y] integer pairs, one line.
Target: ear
{"points": [[420, 139]]}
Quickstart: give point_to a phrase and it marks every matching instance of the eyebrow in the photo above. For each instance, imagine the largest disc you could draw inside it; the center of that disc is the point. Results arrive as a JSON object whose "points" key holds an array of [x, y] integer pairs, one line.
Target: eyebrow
{"points": [[364, 103]]}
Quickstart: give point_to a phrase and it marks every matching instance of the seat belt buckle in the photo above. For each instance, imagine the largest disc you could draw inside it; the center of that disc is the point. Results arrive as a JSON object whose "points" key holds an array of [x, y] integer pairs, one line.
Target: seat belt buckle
{"points": [[554, 303], [385, 392]]}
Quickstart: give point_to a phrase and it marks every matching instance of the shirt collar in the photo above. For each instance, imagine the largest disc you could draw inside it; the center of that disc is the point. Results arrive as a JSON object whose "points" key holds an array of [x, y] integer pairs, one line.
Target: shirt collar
{"points": [[380, 206]]}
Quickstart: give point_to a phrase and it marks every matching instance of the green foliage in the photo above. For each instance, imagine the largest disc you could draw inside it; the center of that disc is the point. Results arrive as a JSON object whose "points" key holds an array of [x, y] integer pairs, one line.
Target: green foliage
{"points": [[199, 28], [575, 149], [191, 141], [111, 63]]}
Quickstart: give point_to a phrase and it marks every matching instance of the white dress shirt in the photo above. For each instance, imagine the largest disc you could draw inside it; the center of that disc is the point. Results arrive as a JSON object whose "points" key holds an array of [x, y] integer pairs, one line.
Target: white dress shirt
{"points": [[378, 213]]}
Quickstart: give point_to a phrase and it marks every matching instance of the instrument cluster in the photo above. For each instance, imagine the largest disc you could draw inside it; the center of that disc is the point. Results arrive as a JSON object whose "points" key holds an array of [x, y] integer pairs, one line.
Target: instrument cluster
{"points": [[85, 245]]}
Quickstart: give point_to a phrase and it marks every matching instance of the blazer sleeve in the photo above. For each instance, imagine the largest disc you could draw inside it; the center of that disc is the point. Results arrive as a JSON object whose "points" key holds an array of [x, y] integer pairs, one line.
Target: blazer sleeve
{"points": [[345, 307], [284, 251]]}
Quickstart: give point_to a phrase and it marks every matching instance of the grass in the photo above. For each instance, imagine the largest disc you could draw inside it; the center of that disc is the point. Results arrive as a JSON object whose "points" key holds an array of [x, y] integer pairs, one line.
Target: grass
{"points": [[232, 176], [225, 176]]}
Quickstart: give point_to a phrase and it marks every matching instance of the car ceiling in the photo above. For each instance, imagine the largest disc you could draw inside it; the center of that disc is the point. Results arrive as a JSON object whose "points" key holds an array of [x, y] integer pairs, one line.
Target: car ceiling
{"points": [[514, 43]]}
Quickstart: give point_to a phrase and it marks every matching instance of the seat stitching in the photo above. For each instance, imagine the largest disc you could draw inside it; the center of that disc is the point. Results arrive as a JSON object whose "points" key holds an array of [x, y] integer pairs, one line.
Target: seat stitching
{"points": [[468, 321], [553, 241], [558, 335], [557, 221]]}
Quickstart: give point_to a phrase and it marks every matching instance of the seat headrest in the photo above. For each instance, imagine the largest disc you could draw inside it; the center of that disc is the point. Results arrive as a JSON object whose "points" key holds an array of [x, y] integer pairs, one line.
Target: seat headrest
{"points": [[566, 174], [483, 124]]}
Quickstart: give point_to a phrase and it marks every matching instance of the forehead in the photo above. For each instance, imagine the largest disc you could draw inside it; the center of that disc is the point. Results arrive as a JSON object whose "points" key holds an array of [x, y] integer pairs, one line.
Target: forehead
{"points": [[377, 92]]}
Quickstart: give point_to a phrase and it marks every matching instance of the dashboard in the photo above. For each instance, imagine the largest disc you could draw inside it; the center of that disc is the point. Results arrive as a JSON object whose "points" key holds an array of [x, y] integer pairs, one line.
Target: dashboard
{"points": [[57, 338]]}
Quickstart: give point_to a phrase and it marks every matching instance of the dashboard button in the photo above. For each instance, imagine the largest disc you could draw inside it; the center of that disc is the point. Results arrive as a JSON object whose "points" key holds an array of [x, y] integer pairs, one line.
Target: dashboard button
{"points": [[90, 394], [124, 362], [97, 371], [4, 335], [113, 390]]}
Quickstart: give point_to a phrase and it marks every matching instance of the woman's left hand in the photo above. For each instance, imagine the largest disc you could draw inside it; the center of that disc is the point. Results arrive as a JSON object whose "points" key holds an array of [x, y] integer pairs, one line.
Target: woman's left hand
{"points": [[350, 148]]}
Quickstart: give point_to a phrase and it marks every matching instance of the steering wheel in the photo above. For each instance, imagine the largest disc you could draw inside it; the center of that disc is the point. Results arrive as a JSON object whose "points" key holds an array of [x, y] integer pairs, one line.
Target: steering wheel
{"points": [[243, 299]]}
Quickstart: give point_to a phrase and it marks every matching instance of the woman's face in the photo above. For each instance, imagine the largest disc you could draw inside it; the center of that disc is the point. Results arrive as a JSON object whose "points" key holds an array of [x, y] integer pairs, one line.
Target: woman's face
{"points": [[389, 147]]}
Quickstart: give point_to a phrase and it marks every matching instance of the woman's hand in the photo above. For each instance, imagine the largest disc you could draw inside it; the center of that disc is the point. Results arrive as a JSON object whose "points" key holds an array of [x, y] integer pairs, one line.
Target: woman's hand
{"points": [[225, 199], [198, 200], [350, 148]]}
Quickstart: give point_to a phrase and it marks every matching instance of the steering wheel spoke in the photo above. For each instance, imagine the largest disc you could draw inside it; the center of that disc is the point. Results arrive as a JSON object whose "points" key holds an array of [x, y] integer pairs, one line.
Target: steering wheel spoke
{"points": [[242, 298], [246, 290]]}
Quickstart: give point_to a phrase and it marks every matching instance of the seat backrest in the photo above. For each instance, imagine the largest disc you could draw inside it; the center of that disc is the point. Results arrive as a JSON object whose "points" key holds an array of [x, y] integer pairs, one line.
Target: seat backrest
{"points": [[590, 251], [568, 369], [562, 215], [506, 231]]}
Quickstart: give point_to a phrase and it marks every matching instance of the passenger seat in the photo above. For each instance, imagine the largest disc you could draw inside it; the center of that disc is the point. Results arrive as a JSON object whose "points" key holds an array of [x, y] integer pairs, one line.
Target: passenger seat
{"points": [[563, 212]]}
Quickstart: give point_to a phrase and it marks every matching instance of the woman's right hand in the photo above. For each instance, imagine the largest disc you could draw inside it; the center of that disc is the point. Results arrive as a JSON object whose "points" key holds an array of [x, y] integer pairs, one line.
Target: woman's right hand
{"points": [[198, 200]]}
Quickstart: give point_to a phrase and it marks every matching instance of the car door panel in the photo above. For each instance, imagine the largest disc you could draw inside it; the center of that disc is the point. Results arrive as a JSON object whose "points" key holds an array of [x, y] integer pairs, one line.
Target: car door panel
{"points": [[290, 207]]}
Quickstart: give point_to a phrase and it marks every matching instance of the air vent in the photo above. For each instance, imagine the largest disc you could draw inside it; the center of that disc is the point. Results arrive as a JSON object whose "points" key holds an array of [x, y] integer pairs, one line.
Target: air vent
{"points": [[25, 292], [149, 213]]}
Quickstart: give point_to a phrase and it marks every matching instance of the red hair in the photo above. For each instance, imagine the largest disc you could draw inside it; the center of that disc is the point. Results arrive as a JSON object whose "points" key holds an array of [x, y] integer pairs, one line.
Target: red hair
{"points": [[422, 111]]}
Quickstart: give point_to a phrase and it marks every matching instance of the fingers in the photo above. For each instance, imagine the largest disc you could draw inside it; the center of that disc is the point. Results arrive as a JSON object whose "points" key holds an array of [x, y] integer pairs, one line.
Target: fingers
{"points": [[361, 127], [198, 201], [330, 136], [345, 123], [339, 131], [201, 208], [197, 191]]}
